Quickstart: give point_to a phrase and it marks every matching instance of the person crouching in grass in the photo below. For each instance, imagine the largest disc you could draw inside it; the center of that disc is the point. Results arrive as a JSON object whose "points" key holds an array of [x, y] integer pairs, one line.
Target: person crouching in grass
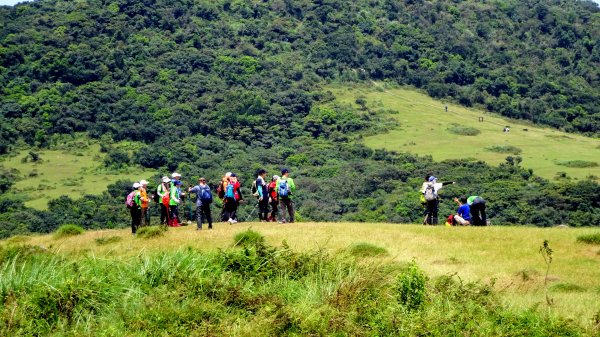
{"points": [[463, 214]]}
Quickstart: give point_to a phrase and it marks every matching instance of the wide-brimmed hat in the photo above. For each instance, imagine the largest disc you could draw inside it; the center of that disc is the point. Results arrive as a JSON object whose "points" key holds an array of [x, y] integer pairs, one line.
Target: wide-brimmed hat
{"points": [[136, 185], [165, 179], [143, 182], [175, 175]]}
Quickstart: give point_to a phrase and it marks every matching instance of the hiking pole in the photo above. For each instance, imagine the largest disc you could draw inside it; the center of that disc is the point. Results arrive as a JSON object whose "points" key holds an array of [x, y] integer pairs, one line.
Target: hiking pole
{"points": [[251, 213]]}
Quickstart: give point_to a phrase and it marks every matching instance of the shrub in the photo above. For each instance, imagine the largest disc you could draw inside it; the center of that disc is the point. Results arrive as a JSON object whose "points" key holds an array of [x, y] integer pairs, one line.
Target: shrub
{"points": [[463, 130], [68, 230], [578, 163], [151, 232], [364, 249], [567, 288], [108, 240], [593, 239], [411, 287], [248, 238], [504, 149]]}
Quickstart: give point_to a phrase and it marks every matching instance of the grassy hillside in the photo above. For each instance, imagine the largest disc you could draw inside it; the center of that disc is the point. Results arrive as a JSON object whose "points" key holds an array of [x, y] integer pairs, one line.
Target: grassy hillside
{"points": [[507, 255], [74, 169], [426, 129]]}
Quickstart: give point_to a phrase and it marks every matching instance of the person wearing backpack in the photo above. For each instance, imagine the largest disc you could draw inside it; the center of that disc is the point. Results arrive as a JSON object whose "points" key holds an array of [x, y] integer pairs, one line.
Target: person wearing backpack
{"points": [[203, 200], [285, 190], [134, 204], [174, 200], [477, 208], [430, 191], [262, 195], [221, 194], [145, 216], [233, 196], [162, 193], [273, 198]]}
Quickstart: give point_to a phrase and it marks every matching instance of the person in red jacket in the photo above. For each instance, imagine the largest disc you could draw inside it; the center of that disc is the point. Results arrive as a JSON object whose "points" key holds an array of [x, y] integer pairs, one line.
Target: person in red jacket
{"points": [[233, 196], [273, 198]]}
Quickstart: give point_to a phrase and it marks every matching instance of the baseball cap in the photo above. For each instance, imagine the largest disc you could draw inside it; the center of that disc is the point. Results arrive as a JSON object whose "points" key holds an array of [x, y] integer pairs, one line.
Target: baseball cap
{"points": [[175, 175], [136, 185], [432, 178], [166, 179], [143, 182]]}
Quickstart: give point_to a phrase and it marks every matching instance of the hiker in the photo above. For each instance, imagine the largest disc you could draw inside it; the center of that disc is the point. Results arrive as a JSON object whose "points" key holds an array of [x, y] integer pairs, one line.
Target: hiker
{"points": [[430, 190], [174, 200], [233, 196], [263, 195], [463, 215], [221, 194], [135, 207], [285, 189], [145, 215], [203, 201], [477, 208], [273, 200], [162, 192]]}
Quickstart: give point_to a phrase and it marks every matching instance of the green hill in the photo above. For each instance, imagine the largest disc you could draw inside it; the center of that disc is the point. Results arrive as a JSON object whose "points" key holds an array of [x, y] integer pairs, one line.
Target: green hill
{"points": [[343, 278], [425, 128]]}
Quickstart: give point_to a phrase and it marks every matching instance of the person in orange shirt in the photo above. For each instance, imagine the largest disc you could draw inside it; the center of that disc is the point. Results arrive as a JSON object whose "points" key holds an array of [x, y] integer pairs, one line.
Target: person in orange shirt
{"points": [[145, 221]]}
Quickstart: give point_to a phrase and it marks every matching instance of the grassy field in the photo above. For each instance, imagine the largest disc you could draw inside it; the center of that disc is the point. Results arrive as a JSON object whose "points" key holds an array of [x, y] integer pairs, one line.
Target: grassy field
{"points": [[508, 255], [74, 170], [424, 130]]}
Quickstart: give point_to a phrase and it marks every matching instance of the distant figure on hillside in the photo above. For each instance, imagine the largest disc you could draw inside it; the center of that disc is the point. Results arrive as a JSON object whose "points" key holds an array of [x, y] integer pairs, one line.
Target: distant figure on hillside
{"points": [[477, 208], [506, 129], [162, 191], [481, 119], [430, 190], [134, 204], [273, 200], [262, 188], [463, 214], [446, 107], [145, 215]]}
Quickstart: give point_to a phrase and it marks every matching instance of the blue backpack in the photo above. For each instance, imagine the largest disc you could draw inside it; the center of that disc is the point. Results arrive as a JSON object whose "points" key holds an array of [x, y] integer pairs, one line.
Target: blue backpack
{"points": [[229, 192], [284, 189], [205, 195]]}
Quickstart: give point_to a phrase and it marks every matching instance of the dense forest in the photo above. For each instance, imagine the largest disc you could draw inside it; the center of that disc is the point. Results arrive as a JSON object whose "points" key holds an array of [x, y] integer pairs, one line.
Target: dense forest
{"points": [[214, 86]]}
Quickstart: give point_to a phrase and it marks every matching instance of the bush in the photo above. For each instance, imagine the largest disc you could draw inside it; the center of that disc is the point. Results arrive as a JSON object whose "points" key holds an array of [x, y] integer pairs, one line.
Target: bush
{"points": [[108, 240], [411, 287], [593, 239], [578, 163], [364, 249], [504, 149], [151, 232], [463, 130], [248, 238], [68, 230]]}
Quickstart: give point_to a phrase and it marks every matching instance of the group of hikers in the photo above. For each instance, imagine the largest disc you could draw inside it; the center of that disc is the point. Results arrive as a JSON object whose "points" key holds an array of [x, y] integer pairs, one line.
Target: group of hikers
{"points": [[274, 198], [275, 194], [471, 210]]}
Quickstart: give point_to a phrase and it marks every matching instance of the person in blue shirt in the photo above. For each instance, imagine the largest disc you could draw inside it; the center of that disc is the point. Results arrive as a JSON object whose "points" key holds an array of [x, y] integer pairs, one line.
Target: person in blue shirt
{"points": [[463, 214], [263, 195]]}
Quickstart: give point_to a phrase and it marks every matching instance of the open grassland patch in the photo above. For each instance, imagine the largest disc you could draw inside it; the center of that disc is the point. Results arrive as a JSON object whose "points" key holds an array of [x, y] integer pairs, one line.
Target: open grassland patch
{"points": [[74, 169], [67, 230], [423, 129], [593, 239], [364, 249], [567, 288]]}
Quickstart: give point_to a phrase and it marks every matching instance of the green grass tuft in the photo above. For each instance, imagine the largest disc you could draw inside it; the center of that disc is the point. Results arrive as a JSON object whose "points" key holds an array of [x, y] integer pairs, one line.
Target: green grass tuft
{"points": [[578, 163], [107, 240], [151, 232], [509, 149], [567, 288], [593, 239], [463, 130], [364, 249], [248, 238], [68, 230]]}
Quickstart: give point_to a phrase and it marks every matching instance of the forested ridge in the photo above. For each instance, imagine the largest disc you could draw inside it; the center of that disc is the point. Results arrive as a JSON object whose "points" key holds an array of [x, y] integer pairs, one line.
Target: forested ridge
{"points": [[210, 86]]}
